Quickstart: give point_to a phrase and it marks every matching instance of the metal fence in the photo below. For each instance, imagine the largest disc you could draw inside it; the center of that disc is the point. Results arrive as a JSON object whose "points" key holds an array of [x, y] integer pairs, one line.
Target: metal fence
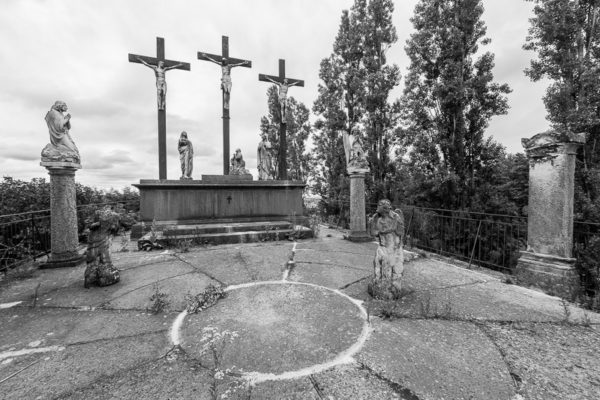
{"points": [[27, 235], [483, 239]]}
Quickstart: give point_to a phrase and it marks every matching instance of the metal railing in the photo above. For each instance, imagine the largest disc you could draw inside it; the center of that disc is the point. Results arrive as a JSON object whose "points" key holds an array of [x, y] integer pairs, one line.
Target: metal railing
{"points": [[27, 235], [481, 239]]}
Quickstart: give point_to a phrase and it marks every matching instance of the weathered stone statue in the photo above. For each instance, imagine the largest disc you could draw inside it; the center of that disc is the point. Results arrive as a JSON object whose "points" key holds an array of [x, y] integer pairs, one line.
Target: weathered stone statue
{"points": [[282, 95], [238, 165], [266, 169], [226, 75], [100, 270], [388, 227], [356, 159], [61, 147], [186, 156], [161, 82]]}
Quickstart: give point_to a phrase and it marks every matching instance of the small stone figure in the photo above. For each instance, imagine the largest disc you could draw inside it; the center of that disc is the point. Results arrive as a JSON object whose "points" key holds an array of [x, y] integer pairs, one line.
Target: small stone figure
{"points": [[61, 147], [356, 160], [186, 156], [266, 169], [238, 165], [226, 76], [100, 270], [161, 82], [388, 227], [282, 94]]}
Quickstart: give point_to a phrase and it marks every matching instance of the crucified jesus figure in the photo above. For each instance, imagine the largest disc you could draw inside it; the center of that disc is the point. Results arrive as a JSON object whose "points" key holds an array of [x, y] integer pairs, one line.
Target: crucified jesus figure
{"points": [[161, 83], [226, 76], [282, 94]]}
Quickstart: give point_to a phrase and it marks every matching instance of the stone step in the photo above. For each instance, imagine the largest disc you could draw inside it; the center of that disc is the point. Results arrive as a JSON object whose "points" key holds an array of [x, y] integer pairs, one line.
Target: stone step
{"points": [[203, 229], [233, 233]]}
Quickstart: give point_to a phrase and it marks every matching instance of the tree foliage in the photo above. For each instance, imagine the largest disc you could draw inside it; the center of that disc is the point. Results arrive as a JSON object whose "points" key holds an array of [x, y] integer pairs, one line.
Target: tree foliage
{"points": [[356, 81], [298, 130], [566, 37], [449, 98]]}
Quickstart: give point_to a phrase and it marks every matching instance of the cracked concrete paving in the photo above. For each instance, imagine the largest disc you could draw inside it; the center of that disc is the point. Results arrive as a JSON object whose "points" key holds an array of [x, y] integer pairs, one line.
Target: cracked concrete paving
{"points": [[454, 334]]}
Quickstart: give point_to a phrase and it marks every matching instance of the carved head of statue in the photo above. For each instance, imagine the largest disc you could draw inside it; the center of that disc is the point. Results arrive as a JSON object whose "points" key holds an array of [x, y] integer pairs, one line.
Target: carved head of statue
{"points": [[384, 206], [183, 135], [161, 64], [60, 106]]}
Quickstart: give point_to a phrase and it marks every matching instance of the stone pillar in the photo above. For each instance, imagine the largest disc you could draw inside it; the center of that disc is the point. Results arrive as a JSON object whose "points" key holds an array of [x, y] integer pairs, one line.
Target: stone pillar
{"points": [[358, 223], [547, 263], [63, 217]]}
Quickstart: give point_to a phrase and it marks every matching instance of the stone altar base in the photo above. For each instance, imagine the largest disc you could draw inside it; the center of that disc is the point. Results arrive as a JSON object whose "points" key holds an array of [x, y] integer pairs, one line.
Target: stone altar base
{"points": [[218, 200], [554, 275]]}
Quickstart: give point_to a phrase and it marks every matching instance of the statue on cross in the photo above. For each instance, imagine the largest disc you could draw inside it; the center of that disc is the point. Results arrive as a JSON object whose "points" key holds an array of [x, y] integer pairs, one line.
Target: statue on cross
{"points": [[226, 75], [282, 94], [161, 82]]}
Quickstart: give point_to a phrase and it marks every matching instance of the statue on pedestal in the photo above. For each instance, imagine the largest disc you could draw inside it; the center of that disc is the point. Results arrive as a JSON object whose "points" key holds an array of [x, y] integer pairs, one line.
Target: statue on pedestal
{"points": [[356, 159], [100, 270], [238, 165], [388, 227], [61, 147], [186, 156], [266, 169]]}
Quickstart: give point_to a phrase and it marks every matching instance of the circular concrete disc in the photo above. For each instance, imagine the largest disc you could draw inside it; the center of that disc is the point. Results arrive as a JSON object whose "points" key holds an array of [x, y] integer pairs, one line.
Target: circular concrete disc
{"points": [[281, 327]]}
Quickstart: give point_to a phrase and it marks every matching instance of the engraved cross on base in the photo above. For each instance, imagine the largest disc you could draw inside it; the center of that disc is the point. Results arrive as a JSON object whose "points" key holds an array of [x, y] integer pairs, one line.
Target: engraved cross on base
{"points": [[160, 66], [226, 64], [284, 84]]}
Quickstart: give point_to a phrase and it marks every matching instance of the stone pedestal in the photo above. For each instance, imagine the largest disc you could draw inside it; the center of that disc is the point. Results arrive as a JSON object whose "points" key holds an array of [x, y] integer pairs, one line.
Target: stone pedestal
{"points": [[358, 223], [63, 217], [547, 263]]}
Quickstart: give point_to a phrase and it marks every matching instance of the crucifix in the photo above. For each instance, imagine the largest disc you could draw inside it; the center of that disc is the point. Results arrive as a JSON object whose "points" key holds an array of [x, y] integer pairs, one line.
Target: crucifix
{"points": [[160, 66], [226, 64], [284, 84]]}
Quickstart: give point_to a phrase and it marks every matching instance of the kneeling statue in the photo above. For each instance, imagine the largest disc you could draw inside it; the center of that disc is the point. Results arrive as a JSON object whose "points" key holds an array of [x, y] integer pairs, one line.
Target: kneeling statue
{"points": [[100, 270]]}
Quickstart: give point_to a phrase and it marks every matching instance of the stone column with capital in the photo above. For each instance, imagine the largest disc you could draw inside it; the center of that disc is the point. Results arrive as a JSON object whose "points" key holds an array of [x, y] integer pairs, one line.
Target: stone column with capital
{"points": [[63, 216], [548, 263]]}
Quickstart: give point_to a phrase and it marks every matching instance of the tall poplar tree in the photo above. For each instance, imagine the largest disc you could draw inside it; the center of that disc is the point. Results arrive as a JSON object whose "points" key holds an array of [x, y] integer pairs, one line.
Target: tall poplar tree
{"points": [[565, 34], [450, 96], [353, 96]]}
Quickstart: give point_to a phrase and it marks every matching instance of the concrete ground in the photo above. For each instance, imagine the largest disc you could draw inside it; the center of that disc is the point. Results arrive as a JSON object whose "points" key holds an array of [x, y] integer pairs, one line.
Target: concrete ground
{"points": [[309, 332]]}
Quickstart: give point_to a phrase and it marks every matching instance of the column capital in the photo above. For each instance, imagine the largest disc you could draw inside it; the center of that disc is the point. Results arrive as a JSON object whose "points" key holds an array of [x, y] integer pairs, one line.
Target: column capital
{"points": [[547, 145]]}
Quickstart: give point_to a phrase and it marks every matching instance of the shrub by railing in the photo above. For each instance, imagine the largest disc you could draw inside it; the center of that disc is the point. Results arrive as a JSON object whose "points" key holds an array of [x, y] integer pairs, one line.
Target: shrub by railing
{"points": [[27, 235]]}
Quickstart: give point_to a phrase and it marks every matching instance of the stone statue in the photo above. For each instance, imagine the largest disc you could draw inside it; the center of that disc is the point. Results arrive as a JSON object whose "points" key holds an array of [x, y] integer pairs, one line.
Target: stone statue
{"points": [[356, 159], [100, 270], [238, 165], [61, 147], [266, 168], [282, 95], [388, 227], [186, 156], [161, 83], [226, 76]]}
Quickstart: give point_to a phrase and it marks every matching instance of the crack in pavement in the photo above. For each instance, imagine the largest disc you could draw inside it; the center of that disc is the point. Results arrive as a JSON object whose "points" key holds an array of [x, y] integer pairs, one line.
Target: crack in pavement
{"points": [[355, 282], [133, 335], [404, 392], [332, 264], [141, 287], [315, 385], [197, 269]]}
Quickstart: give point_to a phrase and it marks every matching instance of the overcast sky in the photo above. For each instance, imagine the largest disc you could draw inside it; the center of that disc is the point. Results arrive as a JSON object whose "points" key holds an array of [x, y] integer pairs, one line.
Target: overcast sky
{"points": [[76, 51]]}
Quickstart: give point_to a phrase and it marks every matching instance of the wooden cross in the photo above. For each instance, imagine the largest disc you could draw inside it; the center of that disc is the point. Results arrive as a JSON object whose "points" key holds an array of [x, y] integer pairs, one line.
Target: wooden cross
{"points": [[226, 64], [161, 86], [284, 83]]}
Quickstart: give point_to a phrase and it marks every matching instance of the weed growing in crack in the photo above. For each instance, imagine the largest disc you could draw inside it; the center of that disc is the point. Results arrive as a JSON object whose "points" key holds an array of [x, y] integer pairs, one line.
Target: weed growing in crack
{"points": [[566, 312], [205, 299], [184, 245], [123, 246], [159, 300], [429, 310], [213, 347]]}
